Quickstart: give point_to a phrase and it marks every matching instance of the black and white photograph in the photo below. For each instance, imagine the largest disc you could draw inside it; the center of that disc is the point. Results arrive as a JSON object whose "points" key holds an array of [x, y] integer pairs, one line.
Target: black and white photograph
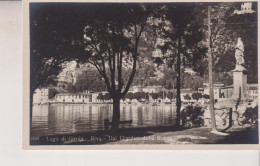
{"points": [[151, 73]]}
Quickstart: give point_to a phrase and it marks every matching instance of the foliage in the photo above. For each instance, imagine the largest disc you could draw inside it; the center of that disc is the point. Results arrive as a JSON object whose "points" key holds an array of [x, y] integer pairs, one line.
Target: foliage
{"points": [[91, 80], [71, 88], [192, 81], [196, 96], [187, 97], [192, 116], [51, 43], [181, 36], [154, 95], [106, 96], [251, 116], [129, 95], [171, 95], [205, 96], [226, 28], [139, 95], [100, 96]]}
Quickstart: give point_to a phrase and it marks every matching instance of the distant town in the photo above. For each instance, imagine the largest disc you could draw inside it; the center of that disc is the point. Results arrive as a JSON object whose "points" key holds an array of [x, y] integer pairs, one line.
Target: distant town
{"points": [[138, 94]]}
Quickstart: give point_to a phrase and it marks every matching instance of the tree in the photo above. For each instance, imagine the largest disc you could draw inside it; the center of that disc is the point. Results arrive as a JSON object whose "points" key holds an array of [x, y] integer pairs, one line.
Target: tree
{"points": [[154, 95], [90, 79], [111, 40], [100, 96], [171, 95], [226, 28], [182, 35], [196, 96], [187, 97], [71, 88], [205, 96], [192, 82], [106, 96], [129, 95], [139, 95], [50, 45]]}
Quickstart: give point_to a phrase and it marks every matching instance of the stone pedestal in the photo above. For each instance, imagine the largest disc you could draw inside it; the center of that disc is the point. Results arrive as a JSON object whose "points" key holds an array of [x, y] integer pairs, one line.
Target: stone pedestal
{"points": [[239, 83]]}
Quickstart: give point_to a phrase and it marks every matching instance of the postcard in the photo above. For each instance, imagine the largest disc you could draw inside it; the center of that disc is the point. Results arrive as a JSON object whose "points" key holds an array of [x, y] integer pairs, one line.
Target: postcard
{"points": [[140, 75]]}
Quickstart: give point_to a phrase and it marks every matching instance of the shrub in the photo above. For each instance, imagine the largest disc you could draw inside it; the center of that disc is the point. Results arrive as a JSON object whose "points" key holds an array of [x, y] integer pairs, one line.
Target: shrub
{"points": [[196, 96], [205, 96], [251, 116], [192, 116], [187, 97]]}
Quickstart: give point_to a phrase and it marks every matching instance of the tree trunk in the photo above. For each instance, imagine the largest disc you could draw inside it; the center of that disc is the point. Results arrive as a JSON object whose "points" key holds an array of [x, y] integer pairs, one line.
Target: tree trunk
{"points": [[211, 89], [116, 113], [178, 97]]}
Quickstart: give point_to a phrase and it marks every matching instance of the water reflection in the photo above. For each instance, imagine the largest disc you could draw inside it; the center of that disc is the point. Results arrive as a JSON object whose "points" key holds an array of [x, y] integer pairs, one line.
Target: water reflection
{"points": [[61, 119]]}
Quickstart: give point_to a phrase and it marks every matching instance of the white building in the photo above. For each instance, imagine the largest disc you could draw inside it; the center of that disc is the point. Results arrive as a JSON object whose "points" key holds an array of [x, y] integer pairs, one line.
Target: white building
{"points": [[42, 95], [245, 8], [216, 90], [189, 71], [152, 89], [252, 91], [135, 88], [73, 97], [94, 97]]}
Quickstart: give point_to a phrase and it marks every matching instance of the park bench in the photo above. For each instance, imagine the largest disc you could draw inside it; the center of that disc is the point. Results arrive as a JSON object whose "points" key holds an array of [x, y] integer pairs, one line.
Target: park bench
{"points": [[107, 123]]}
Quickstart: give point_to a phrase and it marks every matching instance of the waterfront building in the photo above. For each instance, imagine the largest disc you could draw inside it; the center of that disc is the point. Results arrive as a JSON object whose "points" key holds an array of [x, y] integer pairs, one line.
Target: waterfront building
{"points": [[94, 97], [73, 97], [152, 89], [226, 92], [42, 95], [135, 88], [216, 90]]}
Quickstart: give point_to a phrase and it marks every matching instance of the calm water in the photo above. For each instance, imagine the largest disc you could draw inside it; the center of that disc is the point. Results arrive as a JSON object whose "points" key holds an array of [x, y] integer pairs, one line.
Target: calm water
{"points": [[62, 119]]}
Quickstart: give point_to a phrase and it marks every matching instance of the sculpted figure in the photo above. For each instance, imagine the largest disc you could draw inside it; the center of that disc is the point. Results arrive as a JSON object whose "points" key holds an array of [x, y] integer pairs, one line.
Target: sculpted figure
{"points": [[239, 54]]}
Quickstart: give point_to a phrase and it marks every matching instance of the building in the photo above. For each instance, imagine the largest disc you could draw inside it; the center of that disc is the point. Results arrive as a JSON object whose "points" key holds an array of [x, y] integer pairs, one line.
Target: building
{"points": [[226, 92], [94, 97], [135, 88], [252, 91], [73, 98], [189, 71], [216, 90], [152, 89], [42, 95], [245, 8]]}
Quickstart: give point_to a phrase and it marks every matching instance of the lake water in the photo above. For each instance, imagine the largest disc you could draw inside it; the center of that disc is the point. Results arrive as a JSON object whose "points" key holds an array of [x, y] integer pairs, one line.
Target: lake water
{"points": [[73, 118]]}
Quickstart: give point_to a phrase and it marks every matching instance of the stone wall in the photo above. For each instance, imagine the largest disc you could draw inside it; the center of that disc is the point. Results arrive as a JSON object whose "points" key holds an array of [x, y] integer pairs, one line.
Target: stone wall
{"points": [[227, 116]]}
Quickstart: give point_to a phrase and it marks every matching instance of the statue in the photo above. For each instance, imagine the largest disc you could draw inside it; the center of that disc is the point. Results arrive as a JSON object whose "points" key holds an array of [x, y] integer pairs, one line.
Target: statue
{"points": [[239, 54]]}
